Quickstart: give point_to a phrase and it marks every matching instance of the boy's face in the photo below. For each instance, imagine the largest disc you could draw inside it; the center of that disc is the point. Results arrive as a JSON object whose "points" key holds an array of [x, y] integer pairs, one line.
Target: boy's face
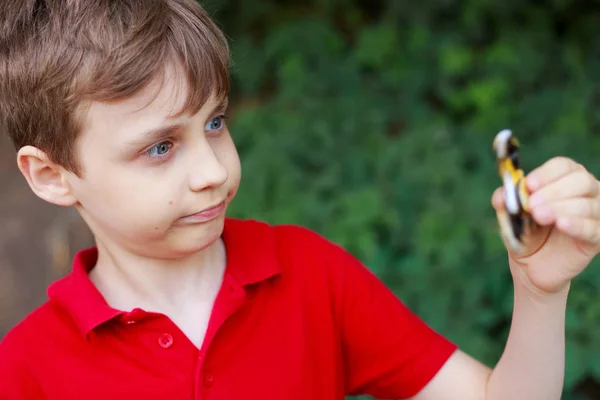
{"points": [[151, 182]]}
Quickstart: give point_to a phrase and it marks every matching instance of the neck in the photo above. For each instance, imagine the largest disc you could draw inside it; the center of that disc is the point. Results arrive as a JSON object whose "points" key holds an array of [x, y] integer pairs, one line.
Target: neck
{"points": [[128, 281]]}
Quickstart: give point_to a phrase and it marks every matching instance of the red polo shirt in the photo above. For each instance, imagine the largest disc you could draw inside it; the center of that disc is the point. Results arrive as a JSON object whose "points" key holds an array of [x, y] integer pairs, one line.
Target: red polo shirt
{"points": [[297, 317]]}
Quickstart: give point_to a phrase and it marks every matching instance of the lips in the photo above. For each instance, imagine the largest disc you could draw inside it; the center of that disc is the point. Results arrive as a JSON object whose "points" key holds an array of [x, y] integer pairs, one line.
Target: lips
{"points": [[207, 214]]}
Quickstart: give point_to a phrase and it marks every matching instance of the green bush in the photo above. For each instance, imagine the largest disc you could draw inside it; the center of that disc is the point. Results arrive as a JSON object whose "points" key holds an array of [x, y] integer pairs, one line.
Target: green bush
{"points": [[372, 122]]}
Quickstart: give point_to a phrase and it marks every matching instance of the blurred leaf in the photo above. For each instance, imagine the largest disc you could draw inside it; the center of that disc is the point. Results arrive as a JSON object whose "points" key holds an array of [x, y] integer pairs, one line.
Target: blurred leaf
{"points": [[372, 122]]}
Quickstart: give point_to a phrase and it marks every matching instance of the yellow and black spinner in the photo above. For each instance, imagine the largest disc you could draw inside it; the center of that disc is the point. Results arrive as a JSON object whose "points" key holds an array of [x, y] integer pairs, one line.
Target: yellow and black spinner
{"points": [[515, 220]]}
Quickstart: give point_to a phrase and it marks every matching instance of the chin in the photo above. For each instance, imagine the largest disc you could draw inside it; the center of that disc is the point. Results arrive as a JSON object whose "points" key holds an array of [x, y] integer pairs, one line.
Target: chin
{"points": [[194, 238]]}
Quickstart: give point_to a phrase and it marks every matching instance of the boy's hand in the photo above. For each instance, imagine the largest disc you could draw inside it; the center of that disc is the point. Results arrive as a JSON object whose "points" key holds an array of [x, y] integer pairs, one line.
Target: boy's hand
{"points": [[565, 204]]}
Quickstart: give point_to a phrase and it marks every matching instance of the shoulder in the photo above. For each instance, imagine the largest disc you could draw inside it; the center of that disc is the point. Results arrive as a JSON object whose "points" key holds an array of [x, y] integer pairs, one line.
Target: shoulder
{"points": [[20, 348], [22, 339], [295, 244], [307, 259], [289, 233]]}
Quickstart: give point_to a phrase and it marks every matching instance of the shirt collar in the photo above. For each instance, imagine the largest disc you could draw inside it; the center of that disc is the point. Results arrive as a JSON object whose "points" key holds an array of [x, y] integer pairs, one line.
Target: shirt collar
{"points": [[251, 258]]}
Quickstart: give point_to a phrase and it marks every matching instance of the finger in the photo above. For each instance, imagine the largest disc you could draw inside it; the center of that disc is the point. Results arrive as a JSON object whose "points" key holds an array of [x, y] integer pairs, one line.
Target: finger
{"points": [[498, 199], [511, 241], [576, 184], [585, 229], [550, 171], [580, 207]]}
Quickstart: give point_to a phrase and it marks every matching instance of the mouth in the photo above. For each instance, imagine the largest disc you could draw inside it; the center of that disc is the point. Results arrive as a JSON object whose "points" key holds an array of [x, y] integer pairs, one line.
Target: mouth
{"points": [[205, 215]]}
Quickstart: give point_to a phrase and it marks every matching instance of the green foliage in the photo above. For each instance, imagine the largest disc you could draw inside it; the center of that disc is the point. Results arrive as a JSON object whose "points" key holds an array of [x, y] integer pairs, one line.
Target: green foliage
{"points": [[372, 122]]}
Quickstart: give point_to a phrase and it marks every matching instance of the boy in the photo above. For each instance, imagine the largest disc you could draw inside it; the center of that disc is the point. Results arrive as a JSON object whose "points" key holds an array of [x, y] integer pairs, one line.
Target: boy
{"points": [[117, 109]]}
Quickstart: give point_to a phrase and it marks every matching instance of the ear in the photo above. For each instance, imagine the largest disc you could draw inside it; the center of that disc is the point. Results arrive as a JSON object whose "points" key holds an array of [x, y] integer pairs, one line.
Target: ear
{"points": [[46, 179]]}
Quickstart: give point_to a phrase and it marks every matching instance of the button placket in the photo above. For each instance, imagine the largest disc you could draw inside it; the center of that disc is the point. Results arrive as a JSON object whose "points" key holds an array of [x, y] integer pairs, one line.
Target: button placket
{"points": [[229, 300]]}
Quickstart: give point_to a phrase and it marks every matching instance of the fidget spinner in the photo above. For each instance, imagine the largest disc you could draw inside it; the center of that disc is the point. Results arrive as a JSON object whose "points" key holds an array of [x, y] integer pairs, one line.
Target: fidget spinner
{"points": [[515, 220]]}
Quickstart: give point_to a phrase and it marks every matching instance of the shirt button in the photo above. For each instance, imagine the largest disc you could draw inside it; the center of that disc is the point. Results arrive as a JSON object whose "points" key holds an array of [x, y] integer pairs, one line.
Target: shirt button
{"points": [[209, 380], [165, 340]]}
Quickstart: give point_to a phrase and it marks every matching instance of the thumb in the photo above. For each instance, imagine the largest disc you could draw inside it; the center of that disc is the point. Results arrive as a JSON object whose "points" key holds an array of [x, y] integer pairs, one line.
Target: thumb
{"points": [[521, 240], [498, 199]]}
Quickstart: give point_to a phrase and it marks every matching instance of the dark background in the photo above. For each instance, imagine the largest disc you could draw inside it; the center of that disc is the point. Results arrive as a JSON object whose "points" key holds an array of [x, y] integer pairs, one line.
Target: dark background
{"points": [[372, 122]]}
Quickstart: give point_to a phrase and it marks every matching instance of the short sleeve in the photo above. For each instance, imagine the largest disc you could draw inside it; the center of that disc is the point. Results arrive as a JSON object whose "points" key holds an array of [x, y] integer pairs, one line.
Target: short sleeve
{"points": [[389, 352]]}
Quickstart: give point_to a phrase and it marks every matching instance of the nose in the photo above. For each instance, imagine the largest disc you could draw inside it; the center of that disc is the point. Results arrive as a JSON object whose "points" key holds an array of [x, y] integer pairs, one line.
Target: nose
{"points": [[206, 168]]}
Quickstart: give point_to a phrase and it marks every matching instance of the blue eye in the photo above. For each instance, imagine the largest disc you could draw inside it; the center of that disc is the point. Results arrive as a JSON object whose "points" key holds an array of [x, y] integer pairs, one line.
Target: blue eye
{"points": [[214, 124], [160, 150]]}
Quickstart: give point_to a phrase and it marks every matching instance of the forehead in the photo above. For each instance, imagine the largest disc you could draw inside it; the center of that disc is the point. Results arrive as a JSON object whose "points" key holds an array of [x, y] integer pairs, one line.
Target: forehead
{"points": [[157, 103]]}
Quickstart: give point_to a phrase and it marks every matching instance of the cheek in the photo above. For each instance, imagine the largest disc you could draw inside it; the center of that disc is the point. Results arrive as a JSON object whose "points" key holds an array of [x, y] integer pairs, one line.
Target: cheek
{"points": [[120, 198], [128, 202], [229, 157]]}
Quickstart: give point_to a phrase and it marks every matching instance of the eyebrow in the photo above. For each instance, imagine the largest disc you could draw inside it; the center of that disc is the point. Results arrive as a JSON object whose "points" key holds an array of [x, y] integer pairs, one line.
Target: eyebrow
{"points": [[154, 135], [221, 105], [163, 132]]}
